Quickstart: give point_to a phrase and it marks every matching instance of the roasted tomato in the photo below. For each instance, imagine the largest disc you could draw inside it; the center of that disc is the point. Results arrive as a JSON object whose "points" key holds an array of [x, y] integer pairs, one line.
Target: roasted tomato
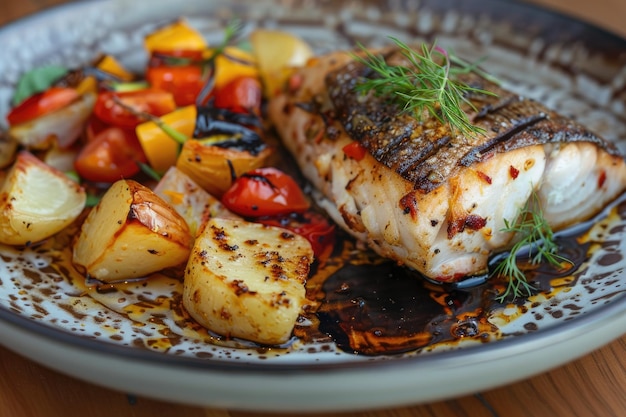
{"points": [[310, 225], [265, 192], [241, 95], [184, 82], [179, 72], [54, 98], [152, 101], [114, 153]]}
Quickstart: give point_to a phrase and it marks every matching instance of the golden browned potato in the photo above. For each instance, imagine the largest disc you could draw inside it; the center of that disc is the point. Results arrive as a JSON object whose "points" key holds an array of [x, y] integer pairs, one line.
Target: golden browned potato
{"points": [[131, 233], [36, 201], [247, 280], [209, 167]]}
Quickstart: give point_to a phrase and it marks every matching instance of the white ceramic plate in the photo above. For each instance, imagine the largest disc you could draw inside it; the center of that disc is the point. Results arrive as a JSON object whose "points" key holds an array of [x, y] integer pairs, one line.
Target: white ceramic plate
{"points": [[129, 341]]}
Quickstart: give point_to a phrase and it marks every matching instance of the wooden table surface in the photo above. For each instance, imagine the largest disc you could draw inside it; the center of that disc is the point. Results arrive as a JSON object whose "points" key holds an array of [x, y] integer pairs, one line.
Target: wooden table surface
{"points": [[592, 386]]}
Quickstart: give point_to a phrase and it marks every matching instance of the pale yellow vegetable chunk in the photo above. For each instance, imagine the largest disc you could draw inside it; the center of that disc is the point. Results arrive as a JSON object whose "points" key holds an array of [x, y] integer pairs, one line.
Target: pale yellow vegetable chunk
{"points": [[131, 233], [277, 53], [191, 201], [36, 201], [247, 280]]}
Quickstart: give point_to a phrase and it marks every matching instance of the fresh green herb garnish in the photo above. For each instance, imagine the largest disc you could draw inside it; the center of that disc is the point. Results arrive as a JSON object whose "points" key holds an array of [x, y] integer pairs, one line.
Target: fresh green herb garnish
{"points": [[179, 137], [231, 33], [430, 83], [536, 236], [92, 200], [121, 87], [36, 81]]}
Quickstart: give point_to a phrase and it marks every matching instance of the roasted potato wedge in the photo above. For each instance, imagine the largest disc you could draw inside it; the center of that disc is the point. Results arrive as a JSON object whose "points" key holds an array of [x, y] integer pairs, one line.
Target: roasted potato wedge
{"points": [[210, 166], [36, 201], [247, 280], [191, 201], [131, 233]]}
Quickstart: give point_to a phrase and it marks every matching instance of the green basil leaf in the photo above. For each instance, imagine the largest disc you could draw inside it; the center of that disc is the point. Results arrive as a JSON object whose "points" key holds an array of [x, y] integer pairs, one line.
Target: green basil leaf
{"points": [[36, 81]]}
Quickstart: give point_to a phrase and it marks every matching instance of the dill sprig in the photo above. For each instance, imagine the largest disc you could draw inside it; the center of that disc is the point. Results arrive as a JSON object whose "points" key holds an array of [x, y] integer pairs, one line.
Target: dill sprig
{"points": [[430, 83], [536, 237]]}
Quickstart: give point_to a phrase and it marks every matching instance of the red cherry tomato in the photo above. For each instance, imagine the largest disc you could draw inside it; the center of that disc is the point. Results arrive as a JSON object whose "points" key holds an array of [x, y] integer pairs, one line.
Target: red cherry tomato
{"points": [[179, 72], [184, 82], [54, 98], [152, 101], [241, 95], [310, 225], [93, 128], [265, 192], [113, 154]]}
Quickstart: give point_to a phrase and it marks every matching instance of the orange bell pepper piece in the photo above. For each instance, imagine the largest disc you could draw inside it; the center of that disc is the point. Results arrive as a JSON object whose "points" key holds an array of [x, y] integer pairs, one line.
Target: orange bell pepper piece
{"points": [[160, 149]]}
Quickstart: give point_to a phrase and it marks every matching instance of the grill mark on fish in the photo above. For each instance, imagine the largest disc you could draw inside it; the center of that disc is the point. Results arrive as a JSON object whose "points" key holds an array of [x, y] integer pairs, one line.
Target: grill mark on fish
{"points": [[478, 153], [426, 153]]}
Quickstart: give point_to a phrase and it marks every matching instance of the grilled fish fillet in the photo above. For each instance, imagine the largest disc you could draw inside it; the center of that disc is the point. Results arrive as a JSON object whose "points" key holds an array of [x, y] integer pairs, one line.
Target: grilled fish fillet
{"points": [[425, 197]]}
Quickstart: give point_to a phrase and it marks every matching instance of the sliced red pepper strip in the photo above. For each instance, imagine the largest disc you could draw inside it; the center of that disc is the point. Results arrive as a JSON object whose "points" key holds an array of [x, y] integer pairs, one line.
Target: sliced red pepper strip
{"points": [[40, 104], [355, 150]]}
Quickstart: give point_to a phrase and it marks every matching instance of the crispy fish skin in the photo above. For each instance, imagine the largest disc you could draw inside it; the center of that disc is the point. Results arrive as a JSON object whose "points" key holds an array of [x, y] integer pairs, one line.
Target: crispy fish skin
{"points": [[425, 197]]}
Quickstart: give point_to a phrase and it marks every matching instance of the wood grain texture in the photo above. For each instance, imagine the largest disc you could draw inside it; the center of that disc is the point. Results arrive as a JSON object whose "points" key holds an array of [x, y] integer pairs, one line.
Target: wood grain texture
{"points": [[594, 386]]}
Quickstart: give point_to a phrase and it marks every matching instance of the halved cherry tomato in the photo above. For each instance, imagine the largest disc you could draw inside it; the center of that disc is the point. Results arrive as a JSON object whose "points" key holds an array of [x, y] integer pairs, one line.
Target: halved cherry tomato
{"points": [[355, 150], [93, 128], [54, 98], [310, 225], [152, 101], [241, 95], [178, 71], [265, 192], [113, 154], [184, 82]]}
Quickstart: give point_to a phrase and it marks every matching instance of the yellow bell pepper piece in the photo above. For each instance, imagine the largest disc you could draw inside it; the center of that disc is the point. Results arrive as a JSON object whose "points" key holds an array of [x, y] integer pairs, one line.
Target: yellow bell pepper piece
{"points": [[110, 65], [176, 36], [227, 69], [160, 149], [87, 85]]}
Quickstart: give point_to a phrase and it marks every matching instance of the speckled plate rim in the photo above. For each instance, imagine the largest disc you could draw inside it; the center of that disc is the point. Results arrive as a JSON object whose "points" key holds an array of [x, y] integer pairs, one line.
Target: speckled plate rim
{"points": [[344, 386], [300, 386]]}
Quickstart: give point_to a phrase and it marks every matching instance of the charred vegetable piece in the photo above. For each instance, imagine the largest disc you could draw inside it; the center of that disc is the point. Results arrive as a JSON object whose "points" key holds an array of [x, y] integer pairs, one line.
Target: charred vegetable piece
{"points": [[214, 166], [131, 233]]}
